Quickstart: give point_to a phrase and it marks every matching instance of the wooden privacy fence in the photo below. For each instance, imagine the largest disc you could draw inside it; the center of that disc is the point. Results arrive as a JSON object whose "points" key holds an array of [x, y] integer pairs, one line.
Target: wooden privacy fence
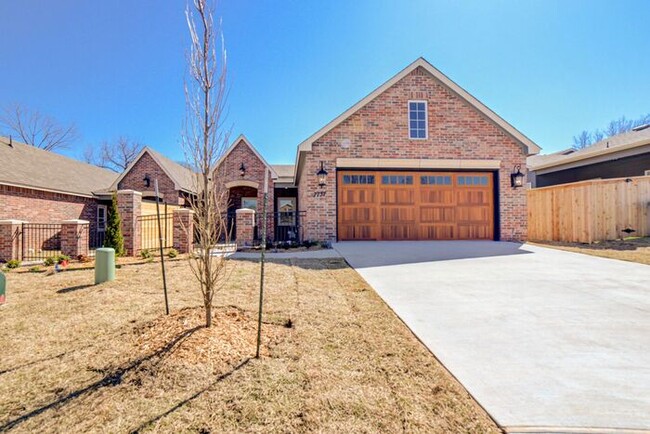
{"points": [[588, 211]]}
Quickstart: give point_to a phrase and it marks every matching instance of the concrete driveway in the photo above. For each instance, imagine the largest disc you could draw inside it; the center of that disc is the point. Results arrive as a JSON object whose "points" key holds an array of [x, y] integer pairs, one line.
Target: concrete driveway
{"points": [[545, 340]]}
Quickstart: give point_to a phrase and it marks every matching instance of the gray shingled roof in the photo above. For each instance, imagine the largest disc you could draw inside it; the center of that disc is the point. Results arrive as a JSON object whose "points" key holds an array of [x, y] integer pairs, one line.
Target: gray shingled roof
{"points": [[181, 175], [284, 171], [608, 145], [27, 166]]}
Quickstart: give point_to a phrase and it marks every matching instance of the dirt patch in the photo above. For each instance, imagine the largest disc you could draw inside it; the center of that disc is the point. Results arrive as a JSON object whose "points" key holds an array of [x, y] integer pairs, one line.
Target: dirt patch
{"points": [[78, 357], [633, 249]]}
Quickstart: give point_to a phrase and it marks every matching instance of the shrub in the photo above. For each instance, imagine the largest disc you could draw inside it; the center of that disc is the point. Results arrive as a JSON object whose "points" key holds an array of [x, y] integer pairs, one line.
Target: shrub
{"points": [[145, 254], [48, 262], [35, 269], [61, 258], [114, 236], [13, 263], [172, 253]]}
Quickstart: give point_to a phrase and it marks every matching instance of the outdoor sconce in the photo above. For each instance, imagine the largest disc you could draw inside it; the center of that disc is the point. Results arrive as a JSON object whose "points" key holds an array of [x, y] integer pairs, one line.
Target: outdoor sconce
{"points": [[242, 170], [147, 180], [322, 176], [516, 177]]}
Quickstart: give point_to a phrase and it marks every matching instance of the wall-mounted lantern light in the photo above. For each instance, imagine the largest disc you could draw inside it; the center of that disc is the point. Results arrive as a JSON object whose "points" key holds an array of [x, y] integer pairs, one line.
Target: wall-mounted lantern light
{"points": [[242, 170], [147, 180], [322, 176], [516, 177]]}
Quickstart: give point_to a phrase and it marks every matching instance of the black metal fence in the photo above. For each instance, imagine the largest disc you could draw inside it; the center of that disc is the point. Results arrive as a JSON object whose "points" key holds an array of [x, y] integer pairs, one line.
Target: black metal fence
{"points": [[149, 237], [40, 241]]}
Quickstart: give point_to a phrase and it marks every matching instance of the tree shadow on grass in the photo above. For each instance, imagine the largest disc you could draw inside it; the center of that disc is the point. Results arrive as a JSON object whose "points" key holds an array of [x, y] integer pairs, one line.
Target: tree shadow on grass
{"points": [[74, 288], [192, 397], [110, 379]]}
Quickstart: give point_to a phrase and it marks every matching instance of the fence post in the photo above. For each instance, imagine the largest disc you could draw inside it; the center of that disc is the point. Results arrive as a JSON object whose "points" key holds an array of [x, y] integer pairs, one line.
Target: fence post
{"points": [[183, 222], [74, 237], [129, 205], [10, 239], [245, 227]]}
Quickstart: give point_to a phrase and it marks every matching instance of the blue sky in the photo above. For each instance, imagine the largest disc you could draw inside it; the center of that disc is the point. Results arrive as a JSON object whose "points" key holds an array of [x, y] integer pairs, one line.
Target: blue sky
{"points": [[551, 68]]}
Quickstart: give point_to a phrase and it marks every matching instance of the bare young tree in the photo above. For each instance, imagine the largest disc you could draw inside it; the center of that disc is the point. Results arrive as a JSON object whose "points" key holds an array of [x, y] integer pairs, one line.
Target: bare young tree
{"points": [[204, 140], [116, 155], [582, 140], [36, 129], [615, 127]]}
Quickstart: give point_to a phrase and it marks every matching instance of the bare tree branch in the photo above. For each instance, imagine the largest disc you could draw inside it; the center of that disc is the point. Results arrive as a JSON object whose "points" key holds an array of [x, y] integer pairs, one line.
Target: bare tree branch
{"points": [[35, 129], [204, 141], [116, 155], [615, 127]]}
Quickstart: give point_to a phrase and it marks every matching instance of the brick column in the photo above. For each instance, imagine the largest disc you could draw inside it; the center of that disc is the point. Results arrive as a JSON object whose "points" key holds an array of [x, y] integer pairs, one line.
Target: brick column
{"points": [[74, 237], [183, 219], [129, 204], [245, 223], [10, 239]]}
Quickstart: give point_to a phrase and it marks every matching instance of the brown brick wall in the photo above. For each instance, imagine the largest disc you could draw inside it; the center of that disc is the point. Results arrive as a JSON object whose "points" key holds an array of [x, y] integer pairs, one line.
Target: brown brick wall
{"points": [[36, 206], [380, 130], [229, 171], [134, 180]]}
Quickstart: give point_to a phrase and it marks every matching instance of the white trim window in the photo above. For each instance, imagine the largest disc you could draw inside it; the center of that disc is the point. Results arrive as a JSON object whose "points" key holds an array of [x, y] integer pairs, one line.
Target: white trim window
{"points": [[102, 217], [418, 120], [249, 202]]}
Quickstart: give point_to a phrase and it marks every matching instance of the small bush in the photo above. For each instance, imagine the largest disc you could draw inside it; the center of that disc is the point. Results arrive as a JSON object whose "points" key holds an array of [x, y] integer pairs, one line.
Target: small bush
{"points": [[61, 258], [172, 253], [145, 254], [13, 263], [35, 269], [48, 262]]}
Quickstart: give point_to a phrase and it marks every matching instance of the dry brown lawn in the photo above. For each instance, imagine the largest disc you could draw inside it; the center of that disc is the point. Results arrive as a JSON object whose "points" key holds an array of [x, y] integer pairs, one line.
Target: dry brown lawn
{"points": [[83, 358], [633, 249]]}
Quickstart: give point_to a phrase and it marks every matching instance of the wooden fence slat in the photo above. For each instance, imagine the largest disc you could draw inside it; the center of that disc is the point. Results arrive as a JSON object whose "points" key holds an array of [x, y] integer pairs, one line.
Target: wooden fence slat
{"points": [[589, 211]]}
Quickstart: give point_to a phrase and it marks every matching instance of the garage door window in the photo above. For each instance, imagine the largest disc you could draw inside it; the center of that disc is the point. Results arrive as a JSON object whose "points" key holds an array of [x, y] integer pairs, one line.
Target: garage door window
{"points": [[358, 179], [469, 181], [435, 180], [397, 180]]}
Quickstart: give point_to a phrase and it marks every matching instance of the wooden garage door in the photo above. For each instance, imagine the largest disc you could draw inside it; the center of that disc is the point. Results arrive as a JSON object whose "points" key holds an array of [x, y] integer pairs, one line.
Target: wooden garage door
{"points": [[382, 205]]}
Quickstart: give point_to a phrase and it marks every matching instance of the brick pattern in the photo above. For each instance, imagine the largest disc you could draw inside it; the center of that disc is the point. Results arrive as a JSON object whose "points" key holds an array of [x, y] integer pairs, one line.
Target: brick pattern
{"points": [[10, 240], [36, 206], [74, 238], [146, 165], [228, 171], [129, 205], [183, 221], [380, 130], [245, 227]]}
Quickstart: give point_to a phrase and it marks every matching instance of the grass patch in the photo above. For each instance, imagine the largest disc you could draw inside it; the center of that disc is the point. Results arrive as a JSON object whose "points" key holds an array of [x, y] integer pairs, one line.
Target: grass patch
{"points": [[78, 357], [633, 249]]}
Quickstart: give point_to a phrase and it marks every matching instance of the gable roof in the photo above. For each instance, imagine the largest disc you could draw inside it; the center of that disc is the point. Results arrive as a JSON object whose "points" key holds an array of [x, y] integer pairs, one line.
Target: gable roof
{"points": [[530, 146], [632, 142], [182, 177], [242, 138], [31, 167], [285, 172]]}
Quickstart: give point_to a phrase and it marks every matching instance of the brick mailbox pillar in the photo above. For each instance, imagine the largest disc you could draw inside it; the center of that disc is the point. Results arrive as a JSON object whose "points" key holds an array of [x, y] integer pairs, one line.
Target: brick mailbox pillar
{"points": [[10, 239], [245, 223], [129, 205], [74, 237], [183, 219]]}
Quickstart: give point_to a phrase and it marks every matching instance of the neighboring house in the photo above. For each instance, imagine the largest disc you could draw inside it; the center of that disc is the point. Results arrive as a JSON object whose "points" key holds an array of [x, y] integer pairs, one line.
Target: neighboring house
{"points": [[419, 158], [619, 156], [39, 186]]}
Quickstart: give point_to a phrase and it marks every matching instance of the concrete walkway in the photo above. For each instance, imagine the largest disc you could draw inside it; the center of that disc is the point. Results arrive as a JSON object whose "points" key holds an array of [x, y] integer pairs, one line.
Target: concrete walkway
{"points": [[280, 254], [545, 340]]}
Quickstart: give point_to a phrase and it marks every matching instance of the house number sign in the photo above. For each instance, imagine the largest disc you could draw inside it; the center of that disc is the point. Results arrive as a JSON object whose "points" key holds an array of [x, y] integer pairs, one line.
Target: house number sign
{"points": [[319, 194]]}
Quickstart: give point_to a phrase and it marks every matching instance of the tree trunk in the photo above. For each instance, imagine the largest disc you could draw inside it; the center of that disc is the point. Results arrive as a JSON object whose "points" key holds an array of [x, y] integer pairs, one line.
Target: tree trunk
{"points": [[208, 315]]}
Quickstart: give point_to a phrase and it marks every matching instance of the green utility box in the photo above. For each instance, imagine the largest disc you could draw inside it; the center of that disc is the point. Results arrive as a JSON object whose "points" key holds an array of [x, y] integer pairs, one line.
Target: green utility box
{"points": [[3, 288], [104, 265]]}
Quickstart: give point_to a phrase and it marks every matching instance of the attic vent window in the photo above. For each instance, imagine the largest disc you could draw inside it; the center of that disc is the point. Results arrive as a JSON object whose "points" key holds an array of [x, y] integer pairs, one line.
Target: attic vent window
{"points": [[418, 119], [641, 127]]}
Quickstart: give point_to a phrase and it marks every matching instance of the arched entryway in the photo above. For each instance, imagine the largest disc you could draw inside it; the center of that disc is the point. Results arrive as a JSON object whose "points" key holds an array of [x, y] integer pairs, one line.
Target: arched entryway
{"points": [[241, 194]]}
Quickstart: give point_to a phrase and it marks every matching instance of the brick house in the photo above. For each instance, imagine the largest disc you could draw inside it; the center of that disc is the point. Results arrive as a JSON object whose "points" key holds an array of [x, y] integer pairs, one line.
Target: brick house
{"points": [[419, 158]]}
